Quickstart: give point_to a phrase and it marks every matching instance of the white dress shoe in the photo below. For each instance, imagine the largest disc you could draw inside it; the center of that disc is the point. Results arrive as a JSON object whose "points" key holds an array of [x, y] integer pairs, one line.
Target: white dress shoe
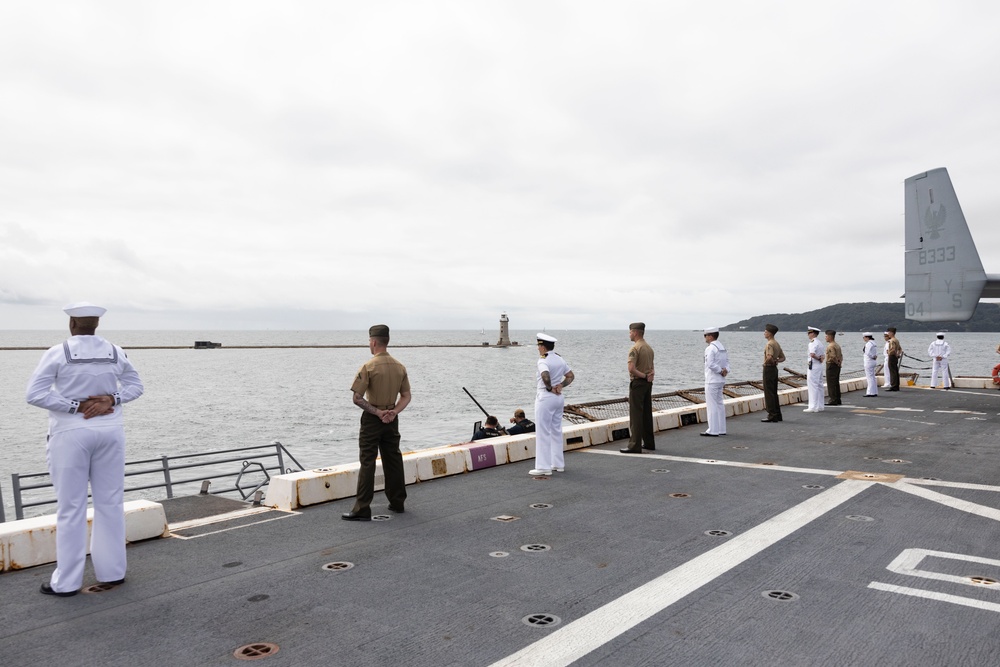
{"points": [[537, 473]]}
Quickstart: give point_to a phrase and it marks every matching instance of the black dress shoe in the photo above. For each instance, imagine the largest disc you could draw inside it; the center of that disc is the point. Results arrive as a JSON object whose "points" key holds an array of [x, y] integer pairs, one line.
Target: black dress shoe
{"points": [[630, 451], [769, 420], [357, 516], [116, 582], [397, 510], [47, 590], [649, 449], [709, 435]]}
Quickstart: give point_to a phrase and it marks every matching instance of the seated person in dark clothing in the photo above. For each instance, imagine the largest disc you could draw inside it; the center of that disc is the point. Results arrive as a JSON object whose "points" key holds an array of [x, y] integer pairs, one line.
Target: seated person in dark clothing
{"points": [[520, 423], [490, 429]]}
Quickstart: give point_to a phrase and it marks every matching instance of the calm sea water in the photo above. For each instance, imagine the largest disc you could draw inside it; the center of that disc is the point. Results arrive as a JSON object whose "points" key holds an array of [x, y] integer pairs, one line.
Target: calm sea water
{"points": [[199, 400]]}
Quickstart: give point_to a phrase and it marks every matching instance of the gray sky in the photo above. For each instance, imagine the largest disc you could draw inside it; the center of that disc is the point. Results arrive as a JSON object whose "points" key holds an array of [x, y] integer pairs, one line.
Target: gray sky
{"points": [[579, 164]]}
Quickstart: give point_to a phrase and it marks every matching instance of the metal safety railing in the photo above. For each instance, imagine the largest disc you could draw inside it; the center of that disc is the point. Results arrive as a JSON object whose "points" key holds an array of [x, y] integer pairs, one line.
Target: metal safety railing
{"points": [[162, 473], [613, 408]]}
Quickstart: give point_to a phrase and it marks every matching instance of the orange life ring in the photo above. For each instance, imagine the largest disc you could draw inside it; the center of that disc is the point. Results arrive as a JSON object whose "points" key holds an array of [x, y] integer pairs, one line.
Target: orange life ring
{"points": [[996, 374]]}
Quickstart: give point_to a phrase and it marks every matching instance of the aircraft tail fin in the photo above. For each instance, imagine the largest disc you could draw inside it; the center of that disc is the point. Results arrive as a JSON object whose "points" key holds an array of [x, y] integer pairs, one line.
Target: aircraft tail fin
{"points": [[944, 275]]}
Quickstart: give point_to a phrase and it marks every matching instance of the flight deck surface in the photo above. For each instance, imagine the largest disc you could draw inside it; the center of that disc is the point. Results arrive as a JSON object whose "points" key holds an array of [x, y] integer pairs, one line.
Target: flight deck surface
{"points": [[865, 534]]}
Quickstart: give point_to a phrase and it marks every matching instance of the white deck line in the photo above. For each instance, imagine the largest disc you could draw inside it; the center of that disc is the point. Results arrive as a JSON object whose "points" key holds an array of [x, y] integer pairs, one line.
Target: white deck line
{"points": [[898, 419], [713, 462], [948, 501], [906, 564], [218, 518], [932, 595], [575, 640], [951, 485], [284, 515], [992, 392]]}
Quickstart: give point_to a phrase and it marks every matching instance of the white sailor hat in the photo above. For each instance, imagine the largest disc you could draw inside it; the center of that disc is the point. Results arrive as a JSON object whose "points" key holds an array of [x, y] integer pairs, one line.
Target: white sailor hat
{"points": [[711, 330], [940, 334], [814, 329], [867, 334], [84, 309], [547, 338]]}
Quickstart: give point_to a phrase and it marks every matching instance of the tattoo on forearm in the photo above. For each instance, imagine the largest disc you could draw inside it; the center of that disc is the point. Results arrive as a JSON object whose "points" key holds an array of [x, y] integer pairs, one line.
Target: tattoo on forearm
{"points": [[365, 405]]}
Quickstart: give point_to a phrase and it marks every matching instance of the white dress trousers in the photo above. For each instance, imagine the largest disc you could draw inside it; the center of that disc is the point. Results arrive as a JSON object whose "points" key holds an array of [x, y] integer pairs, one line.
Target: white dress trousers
{"points": [[886, 383], [716, 359], [81, 451], [73, 456], [871, 361], [814, 376], [549, 414], [548, 431], [939, 348]]}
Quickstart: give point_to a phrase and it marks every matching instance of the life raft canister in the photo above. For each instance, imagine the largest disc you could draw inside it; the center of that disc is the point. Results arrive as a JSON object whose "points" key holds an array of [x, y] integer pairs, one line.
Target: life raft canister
{"points": [[996, 374]]}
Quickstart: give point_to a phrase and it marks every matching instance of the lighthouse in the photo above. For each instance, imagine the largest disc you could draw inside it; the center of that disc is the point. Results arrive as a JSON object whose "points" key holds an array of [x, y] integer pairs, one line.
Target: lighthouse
{"points": [[504, 334]]}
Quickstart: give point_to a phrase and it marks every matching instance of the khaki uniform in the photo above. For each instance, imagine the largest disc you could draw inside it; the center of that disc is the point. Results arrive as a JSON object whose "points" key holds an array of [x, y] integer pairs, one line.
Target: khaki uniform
{"points": [[381, 380], [773, 355], [834, 360], [895, 354], [640, 398]]}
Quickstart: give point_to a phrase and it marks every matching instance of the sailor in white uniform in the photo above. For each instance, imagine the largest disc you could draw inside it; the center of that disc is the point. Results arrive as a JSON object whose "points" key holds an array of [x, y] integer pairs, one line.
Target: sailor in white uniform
{"points": [[716, 370], [83, 383], [939, 352], [814, 376], [552, 377], [870, 354]]}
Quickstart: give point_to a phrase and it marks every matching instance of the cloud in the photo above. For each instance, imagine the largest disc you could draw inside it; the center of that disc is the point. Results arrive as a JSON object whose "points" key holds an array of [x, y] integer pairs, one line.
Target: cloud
{"points": [[443, 161]]}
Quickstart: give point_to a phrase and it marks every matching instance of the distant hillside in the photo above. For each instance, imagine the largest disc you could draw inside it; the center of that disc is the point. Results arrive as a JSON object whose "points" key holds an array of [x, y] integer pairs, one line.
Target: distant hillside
{"points": [[868, 317]]}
